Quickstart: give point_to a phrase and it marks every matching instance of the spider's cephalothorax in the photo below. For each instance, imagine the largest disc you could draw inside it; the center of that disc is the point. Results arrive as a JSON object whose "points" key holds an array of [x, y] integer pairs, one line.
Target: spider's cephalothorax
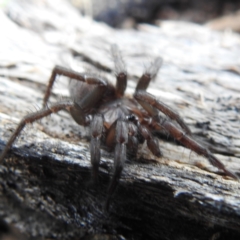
{"points": [[117, 122]]}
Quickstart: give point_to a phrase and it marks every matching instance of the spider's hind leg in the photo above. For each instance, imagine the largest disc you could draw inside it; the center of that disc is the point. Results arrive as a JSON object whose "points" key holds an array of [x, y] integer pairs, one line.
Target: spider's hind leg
{"points": [[193, 145], [149, 103]]}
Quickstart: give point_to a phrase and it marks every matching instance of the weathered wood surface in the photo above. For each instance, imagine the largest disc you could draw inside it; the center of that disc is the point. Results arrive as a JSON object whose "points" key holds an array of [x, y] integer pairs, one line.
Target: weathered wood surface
{"points": [[45, 190]]}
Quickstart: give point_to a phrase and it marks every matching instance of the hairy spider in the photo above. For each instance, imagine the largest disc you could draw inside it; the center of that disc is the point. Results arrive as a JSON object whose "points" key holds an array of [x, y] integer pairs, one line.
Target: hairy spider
{"points": [[117, 122]]}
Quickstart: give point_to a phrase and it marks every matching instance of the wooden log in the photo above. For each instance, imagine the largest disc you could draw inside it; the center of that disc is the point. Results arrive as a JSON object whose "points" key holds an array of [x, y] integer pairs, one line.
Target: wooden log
{"points": [[45, 180]]}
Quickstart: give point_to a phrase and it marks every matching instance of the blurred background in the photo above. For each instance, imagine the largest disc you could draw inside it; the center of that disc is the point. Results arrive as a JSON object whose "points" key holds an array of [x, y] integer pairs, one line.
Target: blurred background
{"points": [[218, 14]]}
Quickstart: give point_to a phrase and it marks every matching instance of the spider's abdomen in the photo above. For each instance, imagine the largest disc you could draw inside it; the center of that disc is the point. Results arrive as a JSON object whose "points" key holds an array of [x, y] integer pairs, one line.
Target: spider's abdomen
{"points": [[85, 95]]}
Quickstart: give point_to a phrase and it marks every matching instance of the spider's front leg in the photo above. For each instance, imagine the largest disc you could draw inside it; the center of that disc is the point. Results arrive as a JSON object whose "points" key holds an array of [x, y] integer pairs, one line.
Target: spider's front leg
{"points": [[96, 130], [121, 139]]}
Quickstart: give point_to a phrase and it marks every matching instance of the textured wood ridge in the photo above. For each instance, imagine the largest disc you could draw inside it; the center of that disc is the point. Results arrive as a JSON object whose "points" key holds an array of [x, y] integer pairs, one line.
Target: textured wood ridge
{"points": [[45, 180]]}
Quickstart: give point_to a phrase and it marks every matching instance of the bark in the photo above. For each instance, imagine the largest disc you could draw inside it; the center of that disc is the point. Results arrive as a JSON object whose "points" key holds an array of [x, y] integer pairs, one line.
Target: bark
{"points": [[46, 189]]}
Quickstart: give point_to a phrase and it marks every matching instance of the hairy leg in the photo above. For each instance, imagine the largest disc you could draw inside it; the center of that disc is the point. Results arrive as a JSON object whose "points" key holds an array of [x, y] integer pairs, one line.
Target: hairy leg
{"points": [[152, 142], [149, 74], [120, 71], [190, 143], [32, 117], [57, 71], [149, 103], [119, 157], [146, 98], [133, 141], [96, 129]]}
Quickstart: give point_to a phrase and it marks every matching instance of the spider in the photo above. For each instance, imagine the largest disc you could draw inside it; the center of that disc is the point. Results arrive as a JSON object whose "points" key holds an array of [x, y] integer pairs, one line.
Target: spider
{"points": [[117, 122]]}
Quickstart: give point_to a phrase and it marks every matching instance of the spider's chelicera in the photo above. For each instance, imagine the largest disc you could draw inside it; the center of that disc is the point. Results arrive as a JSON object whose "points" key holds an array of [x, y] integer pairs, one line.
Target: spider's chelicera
{"points": [[117, 122]]}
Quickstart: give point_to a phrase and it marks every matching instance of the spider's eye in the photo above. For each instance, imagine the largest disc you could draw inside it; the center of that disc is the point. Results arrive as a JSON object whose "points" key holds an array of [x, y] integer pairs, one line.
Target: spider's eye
{"points": [[131, 118]]}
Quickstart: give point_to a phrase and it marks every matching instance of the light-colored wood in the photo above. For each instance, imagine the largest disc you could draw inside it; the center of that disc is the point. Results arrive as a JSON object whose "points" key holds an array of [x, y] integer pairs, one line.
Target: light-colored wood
{"points": [[199, 78]]}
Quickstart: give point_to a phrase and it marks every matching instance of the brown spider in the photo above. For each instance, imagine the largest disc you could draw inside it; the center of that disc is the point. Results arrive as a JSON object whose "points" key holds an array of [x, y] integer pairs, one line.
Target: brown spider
{"points": [[117, 122]]}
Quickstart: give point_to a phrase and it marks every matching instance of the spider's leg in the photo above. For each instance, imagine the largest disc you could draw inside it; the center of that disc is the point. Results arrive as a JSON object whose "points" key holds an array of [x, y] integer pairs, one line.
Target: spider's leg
{"points": [[132, 145], [152, 142], [145, 98], [58, 70], [32, 117], [121, 139], [150, 73], [120, 71], [96, 129], [190, 143]]}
